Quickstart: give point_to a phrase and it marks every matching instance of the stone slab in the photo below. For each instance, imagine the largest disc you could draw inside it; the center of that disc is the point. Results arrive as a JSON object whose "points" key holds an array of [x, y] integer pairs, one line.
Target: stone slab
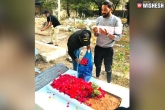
{"points": [[48, 75], [38, 31], [49, 52]]}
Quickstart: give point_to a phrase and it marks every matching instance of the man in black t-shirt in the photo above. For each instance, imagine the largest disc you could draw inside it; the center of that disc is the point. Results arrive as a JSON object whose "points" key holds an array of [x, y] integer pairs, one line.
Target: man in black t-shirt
{"points": [[52, 25], [77, 40]]}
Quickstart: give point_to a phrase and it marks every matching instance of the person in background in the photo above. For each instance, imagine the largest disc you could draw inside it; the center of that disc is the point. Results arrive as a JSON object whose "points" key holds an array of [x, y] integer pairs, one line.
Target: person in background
{"points": [[127, 7], [77, 40], [52, 27], [105, 41]]}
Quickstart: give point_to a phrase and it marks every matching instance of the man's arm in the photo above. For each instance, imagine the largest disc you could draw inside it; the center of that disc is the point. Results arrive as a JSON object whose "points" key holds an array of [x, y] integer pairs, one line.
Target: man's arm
{"points": [[114, 36], [95, 29], [88, 47], [47, 26], [71, 53], [117, 36]]}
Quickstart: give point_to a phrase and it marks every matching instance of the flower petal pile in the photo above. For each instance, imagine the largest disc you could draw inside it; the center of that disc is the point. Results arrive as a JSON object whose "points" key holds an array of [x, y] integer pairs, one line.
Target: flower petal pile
{"points": [[77, 88], [84, 61]]}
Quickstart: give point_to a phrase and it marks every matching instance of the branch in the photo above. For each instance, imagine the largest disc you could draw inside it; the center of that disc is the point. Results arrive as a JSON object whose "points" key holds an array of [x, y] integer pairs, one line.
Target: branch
{"points": [[116, 5], [95, 2]]}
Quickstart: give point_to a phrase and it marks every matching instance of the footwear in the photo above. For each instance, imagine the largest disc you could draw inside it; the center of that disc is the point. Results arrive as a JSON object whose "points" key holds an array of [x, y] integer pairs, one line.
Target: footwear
{"points": [[50, 43], [109, 77], [56, 45]]}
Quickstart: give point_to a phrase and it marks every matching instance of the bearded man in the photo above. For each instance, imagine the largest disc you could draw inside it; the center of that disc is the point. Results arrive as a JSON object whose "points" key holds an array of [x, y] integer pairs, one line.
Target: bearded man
{"points": [[106, 40]]}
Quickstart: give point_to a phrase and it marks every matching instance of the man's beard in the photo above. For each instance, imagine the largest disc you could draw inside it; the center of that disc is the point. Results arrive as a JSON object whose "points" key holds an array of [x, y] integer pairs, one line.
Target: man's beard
{"points": [[105, 15]]}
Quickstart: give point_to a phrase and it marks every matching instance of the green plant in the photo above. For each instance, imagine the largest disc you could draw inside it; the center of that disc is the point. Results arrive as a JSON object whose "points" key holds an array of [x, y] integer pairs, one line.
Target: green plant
{"points": [[120, 56], [127, 47], [51, 61], [96, 91]]}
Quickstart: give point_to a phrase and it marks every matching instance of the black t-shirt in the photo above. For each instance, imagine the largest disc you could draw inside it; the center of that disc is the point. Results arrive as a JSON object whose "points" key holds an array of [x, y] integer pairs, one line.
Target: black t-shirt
{"points": [[54, 20], [74, 43]]}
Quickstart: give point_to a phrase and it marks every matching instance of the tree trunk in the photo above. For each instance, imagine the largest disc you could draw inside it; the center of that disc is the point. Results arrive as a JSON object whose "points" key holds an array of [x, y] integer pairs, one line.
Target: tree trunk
{"points": [[116, 6], [100, 13], [76, 12], [68, 8]]}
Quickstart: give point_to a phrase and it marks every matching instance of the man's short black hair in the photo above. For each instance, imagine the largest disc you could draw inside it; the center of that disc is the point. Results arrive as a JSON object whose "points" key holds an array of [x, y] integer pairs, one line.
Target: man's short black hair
{"points": [[108, 3], [45, 12]]}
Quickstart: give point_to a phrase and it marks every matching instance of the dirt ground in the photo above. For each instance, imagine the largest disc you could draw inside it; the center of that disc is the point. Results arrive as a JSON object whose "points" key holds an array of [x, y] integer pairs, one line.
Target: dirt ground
{"points": [[64, 60]]}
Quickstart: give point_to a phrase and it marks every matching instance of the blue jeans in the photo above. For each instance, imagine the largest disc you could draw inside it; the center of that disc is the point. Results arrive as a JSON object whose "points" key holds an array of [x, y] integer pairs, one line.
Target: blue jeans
{"points": [[77, 54]]}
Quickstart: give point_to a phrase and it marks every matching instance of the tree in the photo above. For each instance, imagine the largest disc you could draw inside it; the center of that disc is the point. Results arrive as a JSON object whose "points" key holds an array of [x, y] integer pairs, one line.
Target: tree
{"points": [[66, 6], [77, 5], [115, 4], [49, 4], [81, 7], [99, 4]]}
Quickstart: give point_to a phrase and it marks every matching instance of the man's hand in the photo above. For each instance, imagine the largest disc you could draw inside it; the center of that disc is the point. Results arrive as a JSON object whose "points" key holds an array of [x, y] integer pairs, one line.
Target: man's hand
{"points": [[77, 60], [42, 29], [88, 47], [111, 37], [103, 31], [95, 30]]}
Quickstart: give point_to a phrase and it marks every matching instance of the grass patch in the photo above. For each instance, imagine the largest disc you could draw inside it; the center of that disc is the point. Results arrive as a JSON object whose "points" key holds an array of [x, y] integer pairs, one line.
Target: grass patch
{"points": [[122, 81], [121, 55]]}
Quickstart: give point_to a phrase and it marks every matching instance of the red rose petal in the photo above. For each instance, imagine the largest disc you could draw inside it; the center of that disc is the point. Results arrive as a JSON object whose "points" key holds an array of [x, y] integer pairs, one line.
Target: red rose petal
{"points": [[76, 88]]}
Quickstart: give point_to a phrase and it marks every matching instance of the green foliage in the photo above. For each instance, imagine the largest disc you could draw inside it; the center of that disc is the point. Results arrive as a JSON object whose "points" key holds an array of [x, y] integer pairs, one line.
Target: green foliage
{"points": [[49, 4], [121, 55], [127, 47], [80, 6], [96, 92], [77, 5]]}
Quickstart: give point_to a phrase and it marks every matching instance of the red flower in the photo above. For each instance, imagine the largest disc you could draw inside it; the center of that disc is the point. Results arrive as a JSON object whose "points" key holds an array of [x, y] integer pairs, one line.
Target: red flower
{"points": [[76, 88], [89, 104], [84, 61]]}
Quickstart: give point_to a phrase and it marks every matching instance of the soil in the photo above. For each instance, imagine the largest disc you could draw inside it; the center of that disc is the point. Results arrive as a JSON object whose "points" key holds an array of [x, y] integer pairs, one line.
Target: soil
{"points": [[108, 102]]}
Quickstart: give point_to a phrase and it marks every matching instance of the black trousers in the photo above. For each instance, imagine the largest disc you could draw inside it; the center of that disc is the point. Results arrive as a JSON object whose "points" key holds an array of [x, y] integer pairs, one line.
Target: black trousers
{"points": [[106, 54]]}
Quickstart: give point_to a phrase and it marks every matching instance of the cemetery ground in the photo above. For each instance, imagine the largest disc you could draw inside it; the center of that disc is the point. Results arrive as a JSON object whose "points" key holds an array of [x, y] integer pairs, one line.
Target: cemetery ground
{"points": [[120, 68]]}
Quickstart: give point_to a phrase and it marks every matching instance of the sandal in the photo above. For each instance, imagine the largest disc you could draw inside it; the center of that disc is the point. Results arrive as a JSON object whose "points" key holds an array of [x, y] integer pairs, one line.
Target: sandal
{"points": [[50, 43]]}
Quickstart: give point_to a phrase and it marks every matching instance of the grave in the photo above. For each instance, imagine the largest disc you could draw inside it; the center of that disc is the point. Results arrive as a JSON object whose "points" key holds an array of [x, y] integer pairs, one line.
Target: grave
{"points": [[45, 99], [49, 52]]}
